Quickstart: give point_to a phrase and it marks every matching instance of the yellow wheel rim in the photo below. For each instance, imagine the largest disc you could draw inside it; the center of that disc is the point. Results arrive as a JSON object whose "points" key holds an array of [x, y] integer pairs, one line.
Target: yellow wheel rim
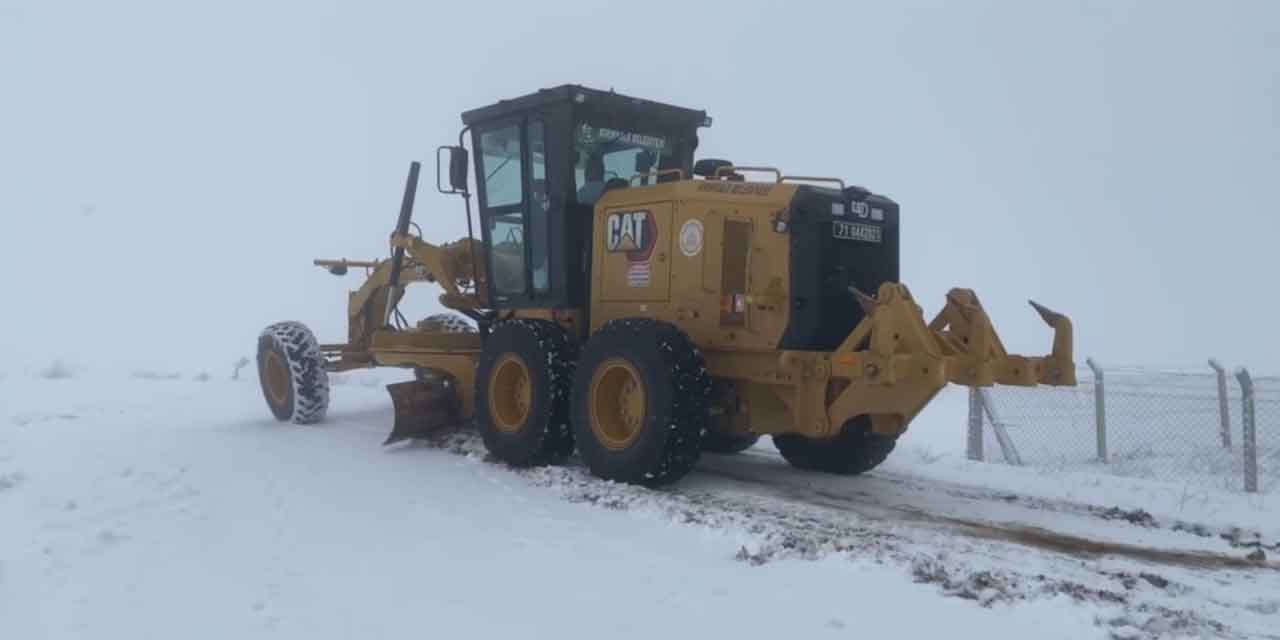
{"points": [[276, 374], [510, 394], [617, 403]]}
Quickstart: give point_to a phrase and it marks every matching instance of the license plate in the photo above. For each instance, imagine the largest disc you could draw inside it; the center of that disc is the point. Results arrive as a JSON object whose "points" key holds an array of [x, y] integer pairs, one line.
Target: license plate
{"points": [[855, 231]]}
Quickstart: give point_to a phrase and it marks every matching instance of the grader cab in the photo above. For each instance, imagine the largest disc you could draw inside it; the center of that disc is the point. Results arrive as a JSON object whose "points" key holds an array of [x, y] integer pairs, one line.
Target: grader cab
{"points": [[639, 307]]}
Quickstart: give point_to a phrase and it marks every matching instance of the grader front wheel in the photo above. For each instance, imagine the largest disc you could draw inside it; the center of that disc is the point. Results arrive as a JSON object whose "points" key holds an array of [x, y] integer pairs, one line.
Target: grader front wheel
{"points": [[291, 370], [522, 393]]}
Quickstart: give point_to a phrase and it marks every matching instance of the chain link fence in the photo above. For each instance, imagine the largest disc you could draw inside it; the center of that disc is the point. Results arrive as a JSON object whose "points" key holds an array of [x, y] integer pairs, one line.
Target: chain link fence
{"points": [[1214, 428], [1266, 408]]}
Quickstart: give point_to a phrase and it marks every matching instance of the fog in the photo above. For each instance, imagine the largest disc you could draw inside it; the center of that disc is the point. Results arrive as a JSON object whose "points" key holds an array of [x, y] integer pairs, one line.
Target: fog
{"points": [[169, 169]]}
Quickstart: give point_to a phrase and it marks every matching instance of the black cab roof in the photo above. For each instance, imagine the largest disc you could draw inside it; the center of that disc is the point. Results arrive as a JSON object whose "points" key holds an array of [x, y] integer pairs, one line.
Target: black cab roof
{"points": [[578, 94]]}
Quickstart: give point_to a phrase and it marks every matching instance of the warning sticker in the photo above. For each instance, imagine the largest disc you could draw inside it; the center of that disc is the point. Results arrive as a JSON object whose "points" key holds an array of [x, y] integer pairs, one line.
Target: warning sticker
{"points": [[638, 274]]}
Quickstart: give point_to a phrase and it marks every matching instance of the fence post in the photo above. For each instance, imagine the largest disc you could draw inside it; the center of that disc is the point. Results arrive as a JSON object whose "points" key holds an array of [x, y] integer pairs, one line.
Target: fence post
{"points": [[1224, 412], [973, 447], [1007, 447], [1249, 420], [1100, 408]]}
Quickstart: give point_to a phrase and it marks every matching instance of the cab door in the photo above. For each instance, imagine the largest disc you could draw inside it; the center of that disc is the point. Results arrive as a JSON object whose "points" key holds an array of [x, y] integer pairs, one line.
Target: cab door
{"points": [[515, 210]]}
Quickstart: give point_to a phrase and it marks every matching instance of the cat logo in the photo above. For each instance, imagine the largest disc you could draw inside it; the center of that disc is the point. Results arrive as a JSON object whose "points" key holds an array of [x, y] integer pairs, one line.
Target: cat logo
{"points": [[632, 232]]}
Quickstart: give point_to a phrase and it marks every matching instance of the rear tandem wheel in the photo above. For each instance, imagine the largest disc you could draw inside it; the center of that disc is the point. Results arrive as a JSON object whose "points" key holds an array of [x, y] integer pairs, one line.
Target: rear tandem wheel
{"points": [[640, 402], [522, 393], [857, 449], [714, 441]]}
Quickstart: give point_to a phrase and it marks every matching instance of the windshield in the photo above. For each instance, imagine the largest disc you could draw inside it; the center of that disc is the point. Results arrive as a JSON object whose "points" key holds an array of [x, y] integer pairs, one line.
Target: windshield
{"points": [[604, 154]]}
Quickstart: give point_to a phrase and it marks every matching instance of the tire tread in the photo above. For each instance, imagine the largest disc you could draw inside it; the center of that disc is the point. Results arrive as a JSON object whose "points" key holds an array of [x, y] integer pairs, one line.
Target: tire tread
{"points": [[307, 373]]}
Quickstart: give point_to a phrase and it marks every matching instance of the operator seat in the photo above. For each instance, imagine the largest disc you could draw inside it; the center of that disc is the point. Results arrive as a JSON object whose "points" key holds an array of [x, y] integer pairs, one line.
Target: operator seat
{"points": [[593, 180]]}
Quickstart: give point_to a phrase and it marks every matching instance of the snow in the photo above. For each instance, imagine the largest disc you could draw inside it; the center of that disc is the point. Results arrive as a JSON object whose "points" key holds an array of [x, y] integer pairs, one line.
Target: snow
{"points": [[155, 507]]}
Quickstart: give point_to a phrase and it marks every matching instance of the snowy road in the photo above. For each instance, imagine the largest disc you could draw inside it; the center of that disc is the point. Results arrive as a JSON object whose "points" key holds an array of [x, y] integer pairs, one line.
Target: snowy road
{"points": [[993, 514], [168, 508]]}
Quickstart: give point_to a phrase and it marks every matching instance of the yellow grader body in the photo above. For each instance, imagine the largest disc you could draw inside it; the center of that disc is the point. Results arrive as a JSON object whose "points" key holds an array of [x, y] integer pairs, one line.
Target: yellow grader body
{"points": [[709, 310]]}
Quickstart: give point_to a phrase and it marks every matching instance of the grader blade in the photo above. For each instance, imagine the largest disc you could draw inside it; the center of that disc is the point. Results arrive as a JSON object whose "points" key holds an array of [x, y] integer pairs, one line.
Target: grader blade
{"points": [[421, 409]]}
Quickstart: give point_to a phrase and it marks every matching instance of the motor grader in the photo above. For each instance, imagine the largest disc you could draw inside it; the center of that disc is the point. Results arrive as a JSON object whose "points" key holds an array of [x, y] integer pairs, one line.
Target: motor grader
{"points": [[639, 307]]}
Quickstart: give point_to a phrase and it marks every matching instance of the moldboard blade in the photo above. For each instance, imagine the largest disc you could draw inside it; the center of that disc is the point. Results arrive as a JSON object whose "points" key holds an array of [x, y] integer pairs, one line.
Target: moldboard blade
{"points": [[421, 408]]}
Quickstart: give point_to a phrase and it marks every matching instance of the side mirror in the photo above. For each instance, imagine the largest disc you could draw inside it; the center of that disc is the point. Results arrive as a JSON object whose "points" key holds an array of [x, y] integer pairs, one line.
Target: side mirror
{"points": [[458, 158]]}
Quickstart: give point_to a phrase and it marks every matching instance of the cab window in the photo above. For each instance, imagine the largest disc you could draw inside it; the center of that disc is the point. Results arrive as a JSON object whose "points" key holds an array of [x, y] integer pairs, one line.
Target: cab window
{"points": [[503, 173], [506, 237], [603, 154], [503, 216]]}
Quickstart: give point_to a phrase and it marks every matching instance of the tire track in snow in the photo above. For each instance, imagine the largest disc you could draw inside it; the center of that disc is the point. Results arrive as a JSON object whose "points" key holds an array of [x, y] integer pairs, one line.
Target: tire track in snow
{"points": [[1140, 595], [1034, 536]]}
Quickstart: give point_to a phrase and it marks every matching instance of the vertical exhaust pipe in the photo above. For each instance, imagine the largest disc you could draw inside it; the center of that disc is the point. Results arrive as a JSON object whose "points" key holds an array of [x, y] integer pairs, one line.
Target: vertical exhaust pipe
{"points": [[402, 228]]}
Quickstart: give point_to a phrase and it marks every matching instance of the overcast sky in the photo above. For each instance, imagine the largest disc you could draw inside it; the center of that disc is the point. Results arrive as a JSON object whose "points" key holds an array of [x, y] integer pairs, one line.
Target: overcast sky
{"points": [[168, 169]]}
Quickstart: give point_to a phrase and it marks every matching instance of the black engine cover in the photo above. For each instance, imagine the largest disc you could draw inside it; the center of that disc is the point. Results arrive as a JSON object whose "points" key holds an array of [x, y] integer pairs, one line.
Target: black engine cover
{"points": [[838, 240]]}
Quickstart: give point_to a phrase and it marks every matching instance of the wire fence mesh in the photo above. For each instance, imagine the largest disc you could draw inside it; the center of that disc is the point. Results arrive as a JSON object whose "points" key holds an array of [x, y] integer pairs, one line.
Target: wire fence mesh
{"points": [[1165, 425], [1267, 409]]}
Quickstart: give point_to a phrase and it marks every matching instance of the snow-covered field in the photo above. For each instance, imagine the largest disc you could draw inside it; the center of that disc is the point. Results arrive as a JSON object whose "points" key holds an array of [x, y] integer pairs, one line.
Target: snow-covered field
{"points": [[146, 506]]}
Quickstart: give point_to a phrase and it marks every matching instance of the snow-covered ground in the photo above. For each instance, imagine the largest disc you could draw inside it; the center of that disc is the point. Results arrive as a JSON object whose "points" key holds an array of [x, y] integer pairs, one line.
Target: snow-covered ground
{"points": [[144, 506]]}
